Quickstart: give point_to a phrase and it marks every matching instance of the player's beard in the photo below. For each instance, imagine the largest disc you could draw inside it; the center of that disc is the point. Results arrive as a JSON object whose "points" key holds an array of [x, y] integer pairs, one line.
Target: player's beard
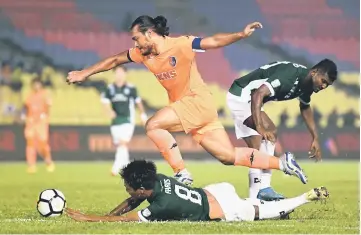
{"points": [[147, 50]]}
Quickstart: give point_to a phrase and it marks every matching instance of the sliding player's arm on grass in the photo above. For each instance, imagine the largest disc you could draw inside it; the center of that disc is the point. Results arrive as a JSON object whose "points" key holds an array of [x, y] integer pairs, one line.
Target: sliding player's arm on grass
{"points": [[124, 213], [78, 216], [126, 206], [152, 213], [104, 65], [308, 117], [225, 39]]}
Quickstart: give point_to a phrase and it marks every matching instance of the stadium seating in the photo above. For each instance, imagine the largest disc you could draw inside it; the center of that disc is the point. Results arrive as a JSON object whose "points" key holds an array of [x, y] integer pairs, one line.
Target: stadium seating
{"points": [[77, 111], [315, 26], [96, 34], [114, 12], [53, 14]]}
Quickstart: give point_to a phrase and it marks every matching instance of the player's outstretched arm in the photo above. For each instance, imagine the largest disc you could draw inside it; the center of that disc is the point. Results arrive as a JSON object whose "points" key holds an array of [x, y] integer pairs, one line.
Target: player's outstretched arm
{"points": [[126, 206], [78, 216], [104, 65], [225, 39]]}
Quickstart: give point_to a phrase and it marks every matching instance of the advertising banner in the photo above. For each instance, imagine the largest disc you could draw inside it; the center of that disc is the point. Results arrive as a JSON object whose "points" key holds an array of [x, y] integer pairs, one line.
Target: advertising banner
{"points": [[85, 143]]}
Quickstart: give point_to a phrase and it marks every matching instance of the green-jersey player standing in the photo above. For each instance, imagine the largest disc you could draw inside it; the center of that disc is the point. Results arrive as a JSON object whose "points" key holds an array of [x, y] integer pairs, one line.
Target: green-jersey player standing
{"points": [[119, 100], [277, 81]]}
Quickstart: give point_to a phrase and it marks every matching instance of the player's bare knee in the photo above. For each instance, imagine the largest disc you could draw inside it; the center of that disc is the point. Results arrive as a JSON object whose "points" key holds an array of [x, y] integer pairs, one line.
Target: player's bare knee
{"points": [[253, 141], [151, 125]]}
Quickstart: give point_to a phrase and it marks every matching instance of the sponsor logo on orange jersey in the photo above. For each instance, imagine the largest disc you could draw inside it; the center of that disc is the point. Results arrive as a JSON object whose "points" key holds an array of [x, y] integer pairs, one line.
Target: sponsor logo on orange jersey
{"points": [[166, 75], [172, 61]]}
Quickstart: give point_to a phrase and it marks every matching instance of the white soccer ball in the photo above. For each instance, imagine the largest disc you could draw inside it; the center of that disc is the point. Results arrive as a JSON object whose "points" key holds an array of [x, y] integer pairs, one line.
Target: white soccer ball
{"points": [[51, 203]]}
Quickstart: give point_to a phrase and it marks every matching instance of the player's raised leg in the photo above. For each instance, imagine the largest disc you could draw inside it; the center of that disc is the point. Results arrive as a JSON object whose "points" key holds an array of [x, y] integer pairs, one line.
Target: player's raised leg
{"points": [[158, 128], [276, 209], [217, 143]]}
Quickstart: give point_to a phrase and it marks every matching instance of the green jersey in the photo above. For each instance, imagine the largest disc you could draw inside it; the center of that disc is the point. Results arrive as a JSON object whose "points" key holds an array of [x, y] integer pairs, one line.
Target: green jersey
{"points": [[122, 100], [172, 200], [282, 78]]}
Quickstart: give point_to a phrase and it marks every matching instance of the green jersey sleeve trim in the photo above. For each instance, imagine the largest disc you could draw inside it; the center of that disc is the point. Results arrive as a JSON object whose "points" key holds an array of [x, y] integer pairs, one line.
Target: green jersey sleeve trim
{"points": [[141, 217], [270, 88], [303, 102]]}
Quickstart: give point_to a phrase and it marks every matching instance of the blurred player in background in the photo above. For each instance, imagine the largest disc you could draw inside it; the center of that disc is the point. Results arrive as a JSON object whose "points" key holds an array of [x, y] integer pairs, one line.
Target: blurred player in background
{"points": [[36, 115], [276, 81], [191, 106], [119, 100], [170, 200]]}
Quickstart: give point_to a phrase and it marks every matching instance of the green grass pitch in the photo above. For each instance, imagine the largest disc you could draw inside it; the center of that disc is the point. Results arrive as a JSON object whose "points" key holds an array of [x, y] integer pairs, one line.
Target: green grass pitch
{"points": [[90, 188]]}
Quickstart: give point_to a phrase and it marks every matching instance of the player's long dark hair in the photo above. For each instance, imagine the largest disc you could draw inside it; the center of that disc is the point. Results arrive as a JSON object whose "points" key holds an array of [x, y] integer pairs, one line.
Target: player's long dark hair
{"points": [[329, 67], [158, 24], [140, 174]]}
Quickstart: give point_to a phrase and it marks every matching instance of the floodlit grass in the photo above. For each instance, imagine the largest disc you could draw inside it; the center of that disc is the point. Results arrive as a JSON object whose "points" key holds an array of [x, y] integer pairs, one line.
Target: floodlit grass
{"points": [[90, 188]]}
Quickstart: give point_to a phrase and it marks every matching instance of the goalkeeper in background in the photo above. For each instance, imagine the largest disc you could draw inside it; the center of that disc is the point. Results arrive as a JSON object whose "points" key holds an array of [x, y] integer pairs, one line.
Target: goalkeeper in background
{"points": [[119, 100]]}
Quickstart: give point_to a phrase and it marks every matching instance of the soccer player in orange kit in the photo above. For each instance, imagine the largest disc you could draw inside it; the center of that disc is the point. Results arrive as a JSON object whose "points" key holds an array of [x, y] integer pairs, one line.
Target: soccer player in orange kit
{"points": [[37, 126], [191, 108]]}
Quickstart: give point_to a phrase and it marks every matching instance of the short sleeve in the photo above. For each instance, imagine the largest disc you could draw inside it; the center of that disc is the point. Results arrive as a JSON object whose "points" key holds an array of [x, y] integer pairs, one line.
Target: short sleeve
{"points": [[305, 99], [277, 82], [196, 44], [105, 97], [134, 55], [153, 212], [190, 45]]}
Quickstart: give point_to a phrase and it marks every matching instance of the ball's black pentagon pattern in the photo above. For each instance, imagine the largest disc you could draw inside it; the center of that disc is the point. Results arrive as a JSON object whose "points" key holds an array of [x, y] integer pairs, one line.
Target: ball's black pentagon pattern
{"points": [[57, 195], [48, 202]]}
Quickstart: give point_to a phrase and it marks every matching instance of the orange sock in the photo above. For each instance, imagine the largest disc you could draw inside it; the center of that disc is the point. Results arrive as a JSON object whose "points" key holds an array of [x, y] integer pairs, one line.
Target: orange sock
{"points": [[30, 153], [45, 152], [168, 147], [253, 158]]}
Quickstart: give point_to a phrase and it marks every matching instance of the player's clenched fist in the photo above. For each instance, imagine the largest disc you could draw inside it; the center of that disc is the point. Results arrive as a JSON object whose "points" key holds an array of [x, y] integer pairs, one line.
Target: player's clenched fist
{"points": [[76, 77], [250, 28]]}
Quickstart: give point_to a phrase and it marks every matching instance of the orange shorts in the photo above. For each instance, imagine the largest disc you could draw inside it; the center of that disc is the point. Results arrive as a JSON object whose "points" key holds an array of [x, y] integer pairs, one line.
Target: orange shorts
{"points": [[39, 131], [197, 114]]}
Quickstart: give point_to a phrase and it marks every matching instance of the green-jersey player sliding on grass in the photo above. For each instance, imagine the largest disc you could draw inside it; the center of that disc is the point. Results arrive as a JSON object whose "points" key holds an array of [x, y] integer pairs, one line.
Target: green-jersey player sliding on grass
{"points": [[277, 81], [170, 200]]}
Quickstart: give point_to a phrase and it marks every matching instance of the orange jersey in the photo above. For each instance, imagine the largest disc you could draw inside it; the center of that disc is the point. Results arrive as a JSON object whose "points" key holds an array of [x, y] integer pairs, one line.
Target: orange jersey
{"points": [[37, 106], [175, 69]]}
